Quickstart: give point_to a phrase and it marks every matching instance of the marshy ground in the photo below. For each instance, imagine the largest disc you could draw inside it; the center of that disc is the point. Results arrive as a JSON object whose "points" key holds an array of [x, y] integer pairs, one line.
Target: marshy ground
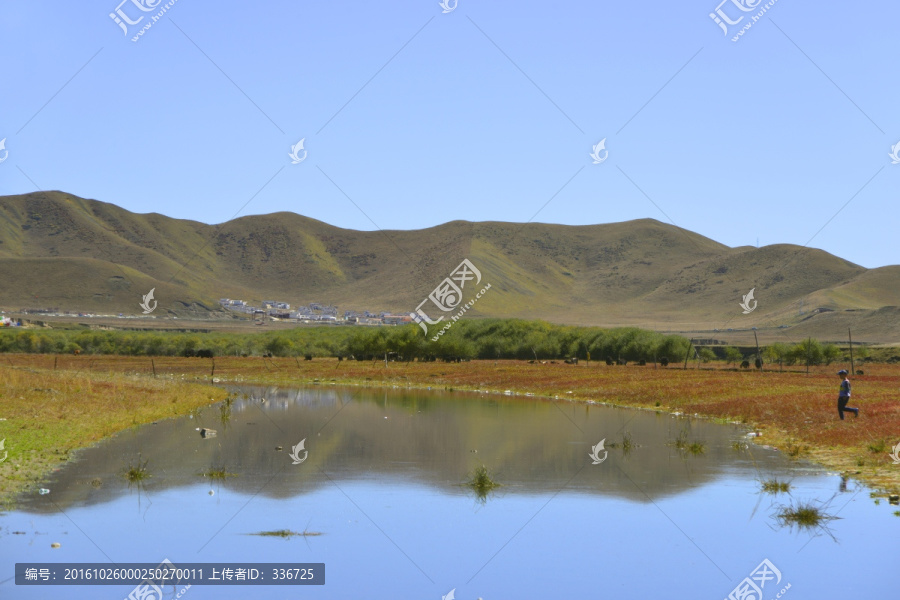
{"points": [[53, 405]]}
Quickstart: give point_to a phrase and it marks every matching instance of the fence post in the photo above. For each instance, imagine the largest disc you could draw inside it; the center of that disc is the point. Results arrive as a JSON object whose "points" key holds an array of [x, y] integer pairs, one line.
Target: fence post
{"points": [[852, 369]]}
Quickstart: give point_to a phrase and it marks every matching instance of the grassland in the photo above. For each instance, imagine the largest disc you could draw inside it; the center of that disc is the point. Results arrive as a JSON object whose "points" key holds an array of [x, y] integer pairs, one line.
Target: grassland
{"points": [[50, 413], [791, 410]]}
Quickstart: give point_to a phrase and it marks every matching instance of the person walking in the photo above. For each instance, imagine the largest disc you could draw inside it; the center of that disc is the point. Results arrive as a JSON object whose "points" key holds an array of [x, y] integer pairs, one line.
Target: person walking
{"points": [[844, 396]]}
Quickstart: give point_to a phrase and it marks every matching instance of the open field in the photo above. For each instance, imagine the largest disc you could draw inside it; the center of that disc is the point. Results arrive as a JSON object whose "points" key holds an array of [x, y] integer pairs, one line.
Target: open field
{"points": [[827, 327], [793, 411]]}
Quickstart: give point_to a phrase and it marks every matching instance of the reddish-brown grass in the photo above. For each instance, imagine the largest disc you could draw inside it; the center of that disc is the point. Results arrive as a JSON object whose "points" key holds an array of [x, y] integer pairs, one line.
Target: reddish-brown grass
{"points": [[795, 412]]}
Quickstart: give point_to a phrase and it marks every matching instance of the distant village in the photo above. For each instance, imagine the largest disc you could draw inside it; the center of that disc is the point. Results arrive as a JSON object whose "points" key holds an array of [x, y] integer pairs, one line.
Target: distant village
{"points": [[313, 312], [271, 310]]}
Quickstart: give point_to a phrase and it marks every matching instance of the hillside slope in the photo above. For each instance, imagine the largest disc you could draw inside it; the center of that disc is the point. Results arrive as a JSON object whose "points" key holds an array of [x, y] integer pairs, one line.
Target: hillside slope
{"points": [[58, 250]]}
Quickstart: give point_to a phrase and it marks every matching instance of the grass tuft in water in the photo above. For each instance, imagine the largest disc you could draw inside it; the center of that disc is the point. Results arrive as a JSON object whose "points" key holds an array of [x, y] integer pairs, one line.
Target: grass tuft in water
{"points": [[287, 533], [694, 447], [482, 482], [217, 474], [137, 471], [773, 486], [628, 442], [805, 515]]}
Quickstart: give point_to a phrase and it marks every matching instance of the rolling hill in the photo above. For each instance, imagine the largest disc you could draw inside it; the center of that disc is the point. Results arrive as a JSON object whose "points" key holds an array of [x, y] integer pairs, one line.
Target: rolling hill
{"points": [[59, 250]]}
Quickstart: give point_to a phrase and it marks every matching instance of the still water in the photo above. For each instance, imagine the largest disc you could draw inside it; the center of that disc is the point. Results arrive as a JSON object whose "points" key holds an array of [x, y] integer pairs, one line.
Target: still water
{"points": [[383, 483]]}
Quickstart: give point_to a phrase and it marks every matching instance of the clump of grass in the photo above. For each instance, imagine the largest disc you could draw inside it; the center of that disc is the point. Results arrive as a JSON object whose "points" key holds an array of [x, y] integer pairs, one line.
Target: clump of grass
{"points": [[773, 486], [137, 471], [694, 447], [628, 442], [287, 533], [482, 482], [219, 474], [225, 411], [897, 513], [796, 450], [697, 447], [805, 515], [738, 446], [877, 447]]}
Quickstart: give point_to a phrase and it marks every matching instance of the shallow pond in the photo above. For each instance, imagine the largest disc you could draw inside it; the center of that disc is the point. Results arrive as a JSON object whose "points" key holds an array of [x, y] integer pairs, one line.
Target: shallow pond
{"points": [[384, 484]]}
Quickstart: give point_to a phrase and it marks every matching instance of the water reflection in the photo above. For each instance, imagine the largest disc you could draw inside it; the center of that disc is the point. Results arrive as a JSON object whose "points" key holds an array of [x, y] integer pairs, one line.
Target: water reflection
{"points": [[384, 482], [435, 440]]}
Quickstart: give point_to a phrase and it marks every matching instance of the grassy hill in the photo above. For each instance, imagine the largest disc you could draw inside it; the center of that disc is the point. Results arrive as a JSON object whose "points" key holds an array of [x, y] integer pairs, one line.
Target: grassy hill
{"points": [[58, 250]]}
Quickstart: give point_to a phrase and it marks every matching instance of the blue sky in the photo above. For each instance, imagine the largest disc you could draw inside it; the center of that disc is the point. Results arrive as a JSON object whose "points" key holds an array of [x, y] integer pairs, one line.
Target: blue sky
{"points": [[412, 117]]}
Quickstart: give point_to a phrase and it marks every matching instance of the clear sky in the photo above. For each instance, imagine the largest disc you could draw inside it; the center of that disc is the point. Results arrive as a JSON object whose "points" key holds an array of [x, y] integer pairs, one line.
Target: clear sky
{"points": [[412, 117]]}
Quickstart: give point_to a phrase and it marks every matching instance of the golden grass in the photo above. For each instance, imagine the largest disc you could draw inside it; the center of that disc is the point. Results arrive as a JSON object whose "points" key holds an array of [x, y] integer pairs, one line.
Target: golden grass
{"points": [[49, 413], [793, 411]]}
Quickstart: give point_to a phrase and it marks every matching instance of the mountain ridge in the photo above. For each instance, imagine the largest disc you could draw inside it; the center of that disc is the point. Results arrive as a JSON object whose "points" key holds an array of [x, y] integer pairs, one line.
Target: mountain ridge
{"points": [[59, 250]]}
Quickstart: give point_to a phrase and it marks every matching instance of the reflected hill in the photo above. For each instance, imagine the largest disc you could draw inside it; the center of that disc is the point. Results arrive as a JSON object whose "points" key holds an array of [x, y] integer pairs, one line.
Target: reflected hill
{"points": [[530, 446]]}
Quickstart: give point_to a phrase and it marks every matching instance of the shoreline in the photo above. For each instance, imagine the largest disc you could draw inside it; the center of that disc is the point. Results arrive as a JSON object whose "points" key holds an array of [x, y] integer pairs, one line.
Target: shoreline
{"points": [[791, 416]]}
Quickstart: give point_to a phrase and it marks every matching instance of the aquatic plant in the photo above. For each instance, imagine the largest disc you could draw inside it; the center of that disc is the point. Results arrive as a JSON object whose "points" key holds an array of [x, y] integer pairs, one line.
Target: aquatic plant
{"points": [[805, 515], [685, 445], [482, 483], [225, 411], [697, 447], [773, 486], [287, 533], [213, 473], [137, 471]]}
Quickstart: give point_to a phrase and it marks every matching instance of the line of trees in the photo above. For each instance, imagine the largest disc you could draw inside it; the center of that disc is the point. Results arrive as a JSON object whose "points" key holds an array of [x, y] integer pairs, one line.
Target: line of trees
{"points": [[487, 339], [467, 339], [816, 352]]}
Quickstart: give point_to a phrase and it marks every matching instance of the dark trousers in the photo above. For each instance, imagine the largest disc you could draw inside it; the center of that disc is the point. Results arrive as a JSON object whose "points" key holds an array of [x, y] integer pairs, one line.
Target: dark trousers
{"points": [[842, 406]]}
